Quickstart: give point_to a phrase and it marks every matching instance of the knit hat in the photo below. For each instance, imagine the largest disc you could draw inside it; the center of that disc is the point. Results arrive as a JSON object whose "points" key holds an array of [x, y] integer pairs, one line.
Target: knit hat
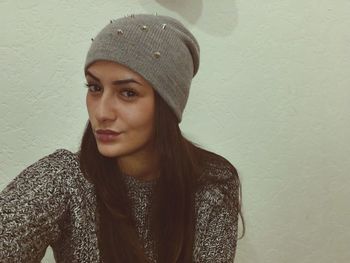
{"points": [[159, 48]]}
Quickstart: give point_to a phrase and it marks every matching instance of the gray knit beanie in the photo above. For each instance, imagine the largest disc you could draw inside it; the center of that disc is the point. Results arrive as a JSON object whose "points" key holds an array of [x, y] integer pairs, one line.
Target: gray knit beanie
{"points": [[159, 48]]}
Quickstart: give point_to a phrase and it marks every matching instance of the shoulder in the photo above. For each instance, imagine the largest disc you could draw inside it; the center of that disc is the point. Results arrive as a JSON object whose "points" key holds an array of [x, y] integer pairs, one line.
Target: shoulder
{"points": [[58, 166], [215, 168], [68, 162], [65, 158], [57, 161], [52, 173], [218, 181]]}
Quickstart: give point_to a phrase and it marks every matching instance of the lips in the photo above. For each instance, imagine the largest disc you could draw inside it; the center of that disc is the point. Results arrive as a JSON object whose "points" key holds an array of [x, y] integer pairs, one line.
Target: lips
{"points": [[107, 132], [107, 136]]}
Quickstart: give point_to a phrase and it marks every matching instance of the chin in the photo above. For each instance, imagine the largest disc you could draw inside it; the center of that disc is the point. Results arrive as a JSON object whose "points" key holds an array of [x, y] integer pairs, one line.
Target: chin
{"points": [[109, 151]]}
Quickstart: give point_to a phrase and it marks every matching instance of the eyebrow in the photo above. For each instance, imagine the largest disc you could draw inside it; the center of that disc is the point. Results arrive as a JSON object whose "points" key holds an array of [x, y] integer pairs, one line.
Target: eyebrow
{"points": [[115, 82]]}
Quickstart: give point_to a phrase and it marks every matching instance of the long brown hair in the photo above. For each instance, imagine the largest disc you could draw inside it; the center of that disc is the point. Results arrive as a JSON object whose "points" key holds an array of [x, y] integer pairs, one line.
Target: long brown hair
{"points": [[172, 214]]}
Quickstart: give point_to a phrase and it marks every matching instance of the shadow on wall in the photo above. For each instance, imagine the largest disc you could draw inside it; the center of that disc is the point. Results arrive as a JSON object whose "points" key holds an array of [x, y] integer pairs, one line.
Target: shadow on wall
{"points": [[217, 18]]}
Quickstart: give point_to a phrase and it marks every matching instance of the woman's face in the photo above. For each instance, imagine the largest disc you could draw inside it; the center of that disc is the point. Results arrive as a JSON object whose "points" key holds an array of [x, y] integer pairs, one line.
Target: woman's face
{"points": [[120, 100]]}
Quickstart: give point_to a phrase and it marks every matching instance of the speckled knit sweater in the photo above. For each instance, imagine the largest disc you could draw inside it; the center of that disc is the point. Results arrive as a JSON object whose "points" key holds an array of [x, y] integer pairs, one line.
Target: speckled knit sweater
{"points": [[50, 203]]}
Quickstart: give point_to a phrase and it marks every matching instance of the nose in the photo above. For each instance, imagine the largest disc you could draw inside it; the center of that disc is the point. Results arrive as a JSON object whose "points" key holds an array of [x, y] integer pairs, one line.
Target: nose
{"points": [[105, 109]]}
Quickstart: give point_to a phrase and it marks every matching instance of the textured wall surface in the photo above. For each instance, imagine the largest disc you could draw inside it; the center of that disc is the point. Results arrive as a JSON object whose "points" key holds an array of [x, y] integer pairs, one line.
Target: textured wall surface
{"points": [[272, 96]]}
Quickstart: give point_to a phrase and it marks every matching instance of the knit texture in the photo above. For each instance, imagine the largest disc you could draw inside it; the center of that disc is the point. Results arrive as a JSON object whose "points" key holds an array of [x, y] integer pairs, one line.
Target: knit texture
{"points": [[50, 203], [159, 48]]}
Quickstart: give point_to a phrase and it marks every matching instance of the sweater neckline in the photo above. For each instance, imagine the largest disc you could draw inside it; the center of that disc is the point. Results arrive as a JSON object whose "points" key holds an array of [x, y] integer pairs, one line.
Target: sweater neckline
{"points": [[133, 181]]}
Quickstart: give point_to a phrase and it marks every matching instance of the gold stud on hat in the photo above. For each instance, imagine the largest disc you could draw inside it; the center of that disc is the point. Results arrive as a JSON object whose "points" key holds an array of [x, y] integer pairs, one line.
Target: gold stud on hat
{"points": [[163, 26], [157, 54], [120, 32], [144, 28]]}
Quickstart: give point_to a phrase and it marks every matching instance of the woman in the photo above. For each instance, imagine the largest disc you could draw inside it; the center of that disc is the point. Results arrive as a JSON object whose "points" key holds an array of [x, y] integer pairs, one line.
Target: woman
{"points": [[137, 190]]}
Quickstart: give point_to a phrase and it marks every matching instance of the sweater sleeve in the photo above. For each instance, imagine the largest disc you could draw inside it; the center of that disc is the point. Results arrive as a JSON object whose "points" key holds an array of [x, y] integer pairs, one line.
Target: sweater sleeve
{"points": [[217, 221], [30, 206]]}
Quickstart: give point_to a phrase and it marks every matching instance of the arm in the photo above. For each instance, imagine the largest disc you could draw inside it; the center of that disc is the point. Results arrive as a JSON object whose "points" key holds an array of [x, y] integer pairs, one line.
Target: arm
{"points": [[217, 221], [30, 206]]}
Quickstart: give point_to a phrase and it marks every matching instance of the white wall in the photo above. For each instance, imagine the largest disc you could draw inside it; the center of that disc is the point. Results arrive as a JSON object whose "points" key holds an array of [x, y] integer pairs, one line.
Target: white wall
{"points": [[272, 96]]}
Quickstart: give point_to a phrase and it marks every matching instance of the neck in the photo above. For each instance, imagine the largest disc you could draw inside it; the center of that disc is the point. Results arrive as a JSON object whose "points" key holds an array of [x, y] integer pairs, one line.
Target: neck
{"points": [[142, 165]]}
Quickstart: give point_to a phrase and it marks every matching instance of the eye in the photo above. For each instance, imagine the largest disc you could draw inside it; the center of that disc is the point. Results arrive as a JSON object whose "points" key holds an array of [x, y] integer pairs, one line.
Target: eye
{"points": [[89, 86], [126, 92], [129, 93]]}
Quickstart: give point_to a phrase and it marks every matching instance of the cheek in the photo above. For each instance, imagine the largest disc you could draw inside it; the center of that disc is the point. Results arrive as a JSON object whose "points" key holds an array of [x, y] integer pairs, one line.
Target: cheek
{"points": [[141, 117], [148, 113], [88, 105]]}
